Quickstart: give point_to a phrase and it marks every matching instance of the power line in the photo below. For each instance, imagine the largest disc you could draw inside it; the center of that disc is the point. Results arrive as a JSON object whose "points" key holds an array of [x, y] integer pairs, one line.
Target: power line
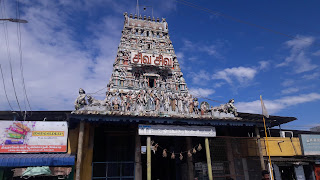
{"points": [[98, 90], [5, 29], [4, 87], [199, 96], [239, 20], [20, 53]]}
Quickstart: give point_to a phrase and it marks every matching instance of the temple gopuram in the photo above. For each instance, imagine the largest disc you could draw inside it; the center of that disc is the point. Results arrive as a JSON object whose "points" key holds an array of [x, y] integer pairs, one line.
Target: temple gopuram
{"points": [[149, 126]]}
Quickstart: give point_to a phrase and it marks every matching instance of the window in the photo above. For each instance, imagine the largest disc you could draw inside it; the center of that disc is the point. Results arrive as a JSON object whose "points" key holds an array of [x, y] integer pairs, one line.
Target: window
{"points": [[151, 82]]}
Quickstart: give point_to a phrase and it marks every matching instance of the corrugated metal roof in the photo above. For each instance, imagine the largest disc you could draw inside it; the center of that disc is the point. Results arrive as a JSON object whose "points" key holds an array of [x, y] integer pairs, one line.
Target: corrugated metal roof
{"points": [[23, 160]]}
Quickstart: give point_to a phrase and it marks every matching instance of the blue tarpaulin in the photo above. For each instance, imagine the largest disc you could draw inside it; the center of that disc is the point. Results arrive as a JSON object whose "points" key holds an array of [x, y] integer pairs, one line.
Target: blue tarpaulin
{"points": [[23, 160]]}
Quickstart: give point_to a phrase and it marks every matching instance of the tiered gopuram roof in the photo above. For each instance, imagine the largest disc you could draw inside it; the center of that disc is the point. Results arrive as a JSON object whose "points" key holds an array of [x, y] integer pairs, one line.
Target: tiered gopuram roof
{"points": [[147, 79]]}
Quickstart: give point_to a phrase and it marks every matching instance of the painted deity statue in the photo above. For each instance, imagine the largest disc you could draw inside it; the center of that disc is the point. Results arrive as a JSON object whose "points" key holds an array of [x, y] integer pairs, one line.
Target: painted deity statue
{"points": [[107, 101], [180, 103], [115, 103], [123, 103], [195, 105], [231, 108], [185, 103], [190, 103], [166, 104], [157, 102], [81, 99]]}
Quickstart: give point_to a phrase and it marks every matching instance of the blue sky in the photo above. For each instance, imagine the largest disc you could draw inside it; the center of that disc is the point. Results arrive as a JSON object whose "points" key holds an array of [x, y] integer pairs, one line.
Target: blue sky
{"points": [[71, 44]]}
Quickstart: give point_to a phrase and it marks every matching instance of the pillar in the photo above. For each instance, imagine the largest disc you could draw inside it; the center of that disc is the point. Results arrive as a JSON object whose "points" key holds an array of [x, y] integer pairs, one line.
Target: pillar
{"points": [[87, 149], [245, 168], [1, 173], [189, 160], [148, 158], [138, 167], [79, 152], [262, 164], [230, 159], [276, 171], [208, 159], [299, 172]]}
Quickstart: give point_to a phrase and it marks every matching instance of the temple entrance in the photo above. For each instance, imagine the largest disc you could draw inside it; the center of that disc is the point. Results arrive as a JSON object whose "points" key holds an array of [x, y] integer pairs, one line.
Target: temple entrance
{"points": [[287, 172], [166, 168], [113, 153]]}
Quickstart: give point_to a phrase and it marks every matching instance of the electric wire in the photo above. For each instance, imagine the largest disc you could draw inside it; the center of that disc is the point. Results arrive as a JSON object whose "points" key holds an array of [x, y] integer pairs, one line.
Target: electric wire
{"points": [[18, 38], [98, 90], [5, 89], [20, 56], [199, 96], [5, 29], [240, 21]]}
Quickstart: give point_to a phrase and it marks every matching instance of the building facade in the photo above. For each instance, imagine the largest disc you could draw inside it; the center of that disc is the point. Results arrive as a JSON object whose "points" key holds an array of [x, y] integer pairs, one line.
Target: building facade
{"points": [[149, 126]]}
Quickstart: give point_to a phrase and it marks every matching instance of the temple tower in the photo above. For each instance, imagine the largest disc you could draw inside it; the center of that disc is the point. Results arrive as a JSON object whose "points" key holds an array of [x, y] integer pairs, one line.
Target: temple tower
{"points": [[146, 58]]}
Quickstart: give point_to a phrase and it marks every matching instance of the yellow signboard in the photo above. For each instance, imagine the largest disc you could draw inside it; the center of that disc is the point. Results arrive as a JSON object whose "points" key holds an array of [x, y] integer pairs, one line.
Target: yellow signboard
{"points": [[48, 133]]}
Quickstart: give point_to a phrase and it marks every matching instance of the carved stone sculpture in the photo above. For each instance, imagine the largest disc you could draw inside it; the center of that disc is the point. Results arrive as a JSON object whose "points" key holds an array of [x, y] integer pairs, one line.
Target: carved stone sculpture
{"points": [[147, 78], [195, 105], [204, 107], [231, 108], [81, 99], [94, 102]]}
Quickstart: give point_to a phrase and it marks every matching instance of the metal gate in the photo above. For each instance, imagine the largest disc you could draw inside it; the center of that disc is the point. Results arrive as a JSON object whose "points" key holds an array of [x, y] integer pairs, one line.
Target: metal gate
{"points": [[113, 170]]}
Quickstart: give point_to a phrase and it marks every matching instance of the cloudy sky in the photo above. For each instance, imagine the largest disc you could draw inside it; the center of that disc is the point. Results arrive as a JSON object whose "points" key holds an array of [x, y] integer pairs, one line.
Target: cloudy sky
{"points": [[232, 49]]}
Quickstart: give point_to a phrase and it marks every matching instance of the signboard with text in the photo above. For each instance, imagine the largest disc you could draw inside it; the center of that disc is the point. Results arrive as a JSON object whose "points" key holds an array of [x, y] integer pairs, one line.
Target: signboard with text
{"points": [[150, 59], [171, 130], [33, 136], [310, 144]]}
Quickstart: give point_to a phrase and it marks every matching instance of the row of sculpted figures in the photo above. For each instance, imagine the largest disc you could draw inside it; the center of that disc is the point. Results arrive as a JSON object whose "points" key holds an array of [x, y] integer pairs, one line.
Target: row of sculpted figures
{"points": [[152, 100]]}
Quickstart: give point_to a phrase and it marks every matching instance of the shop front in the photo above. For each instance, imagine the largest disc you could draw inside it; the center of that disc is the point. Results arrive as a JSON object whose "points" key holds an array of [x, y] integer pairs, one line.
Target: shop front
{"points": [[33, 149]]}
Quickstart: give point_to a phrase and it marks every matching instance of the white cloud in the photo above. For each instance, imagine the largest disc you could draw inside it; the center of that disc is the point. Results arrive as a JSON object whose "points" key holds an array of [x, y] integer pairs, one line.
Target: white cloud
{"points": [[263, 65], [193, 58], [290, 90], [219, 84], [287, 82], [56, 62], [317, 53], [298, 58], [274, 106], [180, 55], [201, 92], [241, 74], [311, 76], [210, 49], [200, 78], [66, 45]]}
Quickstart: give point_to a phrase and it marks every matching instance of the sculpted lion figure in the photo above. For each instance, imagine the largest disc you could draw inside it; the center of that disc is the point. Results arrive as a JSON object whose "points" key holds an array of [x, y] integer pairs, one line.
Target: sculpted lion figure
{"points": [[227, 108], [94, 102]]}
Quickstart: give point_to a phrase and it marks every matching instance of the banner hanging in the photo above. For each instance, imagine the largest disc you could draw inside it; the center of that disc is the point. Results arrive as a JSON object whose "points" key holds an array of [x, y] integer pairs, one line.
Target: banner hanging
{"points": [[33, 136]]}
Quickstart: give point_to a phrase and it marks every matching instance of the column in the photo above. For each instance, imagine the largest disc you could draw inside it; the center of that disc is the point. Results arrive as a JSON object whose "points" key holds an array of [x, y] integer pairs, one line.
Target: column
{"points": [[245, 168], [299, 172], [148, 158], [262, 164], [138, 167], [276, 171], [79, 152], [208, 159], [230, 158], [189, 160]]}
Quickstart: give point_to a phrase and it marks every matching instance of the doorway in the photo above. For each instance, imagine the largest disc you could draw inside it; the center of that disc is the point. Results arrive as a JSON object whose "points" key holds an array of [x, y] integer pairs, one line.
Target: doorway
{"points": [[113, 153], [151, 82], [287, 172], [166, 168]]}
